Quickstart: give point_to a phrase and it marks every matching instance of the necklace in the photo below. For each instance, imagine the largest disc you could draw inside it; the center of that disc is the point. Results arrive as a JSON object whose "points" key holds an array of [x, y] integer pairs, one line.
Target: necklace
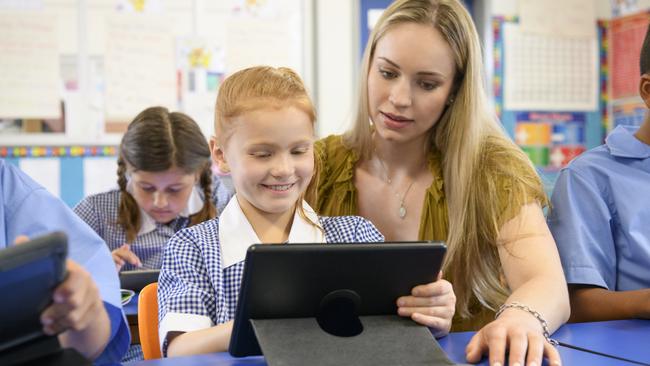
{"points": [[402, 208]]}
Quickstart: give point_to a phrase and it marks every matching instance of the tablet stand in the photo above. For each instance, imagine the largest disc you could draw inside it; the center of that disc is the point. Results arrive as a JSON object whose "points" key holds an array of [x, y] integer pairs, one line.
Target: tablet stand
{"points": [[338, 337], [45, 351]]}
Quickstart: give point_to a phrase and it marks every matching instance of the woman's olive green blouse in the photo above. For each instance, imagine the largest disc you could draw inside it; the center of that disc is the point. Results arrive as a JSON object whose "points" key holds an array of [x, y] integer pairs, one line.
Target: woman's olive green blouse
{"points": [[336, 195]]}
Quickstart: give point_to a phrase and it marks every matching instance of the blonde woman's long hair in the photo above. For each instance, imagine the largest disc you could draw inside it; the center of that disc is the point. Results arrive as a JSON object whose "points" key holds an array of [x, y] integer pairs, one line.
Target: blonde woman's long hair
{"points": [[472, 144], [257, 88]]}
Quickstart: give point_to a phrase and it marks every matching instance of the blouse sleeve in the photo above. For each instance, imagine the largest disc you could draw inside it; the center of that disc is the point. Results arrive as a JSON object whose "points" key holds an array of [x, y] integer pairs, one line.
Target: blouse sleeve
{"points": [[87, 211], [509, 177], [186, 297]]}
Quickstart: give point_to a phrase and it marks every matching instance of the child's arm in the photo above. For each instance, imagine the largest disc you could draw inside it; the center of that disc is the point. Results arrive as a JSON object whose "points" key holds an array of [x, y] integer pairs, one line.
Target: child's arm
{"points": [[188, 300], [210, 340], [590, 303]]}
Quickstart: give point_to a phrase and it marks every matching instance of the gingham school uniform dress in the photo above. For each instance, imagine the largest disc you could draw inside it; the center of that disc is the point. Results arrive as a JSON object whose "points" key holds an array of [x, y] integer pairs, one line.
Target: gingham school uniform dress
{"points": [[202, 266], [100, 212]]}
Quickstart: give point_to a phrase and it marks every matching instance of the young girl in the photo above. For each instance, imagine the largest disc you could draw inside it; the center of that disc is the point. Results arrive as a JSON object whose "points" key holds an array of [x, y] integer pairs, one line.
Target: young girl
{"points": [[448, 172], [265, 136], [163, 176]]}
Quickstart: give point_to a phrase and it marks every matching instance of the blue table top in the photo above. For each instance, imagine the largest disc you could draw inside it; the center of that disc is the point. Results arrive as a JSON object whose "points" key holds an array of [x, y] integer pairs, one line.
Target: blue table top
{"points": [[625, 338]]}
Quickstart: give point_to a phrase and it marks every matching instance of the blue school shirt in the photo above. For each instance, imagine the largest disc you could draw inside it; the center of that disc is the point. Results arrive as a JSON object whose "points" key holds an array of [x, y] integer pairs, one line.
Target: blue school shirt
{"points": [[601, 214], [199, 280], [100, 212], [26, 208]]}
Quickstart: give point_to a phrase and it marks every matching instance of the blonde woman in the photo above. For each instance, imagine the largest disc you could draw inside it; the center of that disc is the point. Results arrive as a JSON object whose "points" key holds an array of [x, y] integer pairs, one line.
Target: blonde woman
{"points": [[425, 159]]}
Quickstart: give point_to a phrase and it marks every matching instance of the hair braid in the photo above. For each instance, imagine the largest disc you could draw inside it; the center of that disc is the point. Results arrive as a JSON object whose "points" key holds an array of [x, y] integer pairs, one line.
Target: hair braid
{"points": [[208, 211], [129, 213]]}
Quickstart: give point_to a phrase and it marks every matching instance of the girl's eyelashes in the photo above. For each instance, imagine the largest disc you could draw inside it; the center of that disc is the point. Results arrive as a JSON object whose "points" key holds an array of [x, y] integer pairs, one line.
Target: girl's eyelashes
{"points": [[260, 154]]}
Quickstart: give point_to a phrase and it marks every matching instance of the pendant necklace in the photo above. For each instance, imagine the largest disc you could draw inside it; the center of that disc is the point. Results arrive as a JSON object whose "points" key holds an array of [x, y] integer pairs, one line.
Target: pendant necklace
{"points": [[402, 208]]}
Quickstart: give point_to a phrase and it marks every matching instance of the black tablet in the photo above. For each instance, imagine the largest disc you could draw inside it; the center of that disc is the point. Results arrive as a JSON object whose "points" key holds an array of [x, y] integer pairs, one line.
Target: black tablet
{"points": [[303, 280], [138, 279], [29, 273]]}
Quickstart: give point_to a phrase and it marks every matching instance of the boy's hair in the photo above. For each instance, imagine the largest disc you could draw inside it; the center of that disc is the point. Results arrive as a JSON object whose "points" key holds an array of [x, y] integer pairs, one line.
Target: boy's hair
{"points": [[155, 141], [261, 87], [644, 59]]}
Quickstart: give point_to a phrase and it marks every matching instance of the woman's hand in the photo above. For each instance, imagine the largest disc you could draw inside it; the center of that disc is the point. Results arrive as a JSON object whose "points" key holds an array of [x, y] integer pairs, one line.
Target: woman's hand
{"points": [[123, 255], [518, 332], [433, 305]]}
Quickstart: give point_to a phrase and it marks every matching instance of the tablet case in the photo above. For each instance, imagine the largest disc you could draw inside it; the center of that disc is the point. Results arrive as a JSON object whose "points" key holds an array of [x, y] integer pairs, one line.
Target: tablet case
{"points": [[138, 279], [29, 273], [304, 302]]}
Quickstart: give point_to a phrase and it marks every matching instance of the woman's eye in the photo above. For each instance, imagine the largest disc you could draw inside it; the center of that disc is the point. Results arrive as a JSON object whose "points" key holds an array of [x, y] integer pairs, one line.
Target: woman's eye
{"points": [[387, 74], [428, 85]]}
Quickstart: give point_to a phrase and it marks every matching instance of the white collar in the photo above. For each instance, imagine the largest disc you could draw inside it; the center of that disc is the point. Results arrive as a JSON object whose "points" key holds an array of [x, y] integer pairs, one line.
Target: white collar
{"points": [[236, 233], [194, 205]]}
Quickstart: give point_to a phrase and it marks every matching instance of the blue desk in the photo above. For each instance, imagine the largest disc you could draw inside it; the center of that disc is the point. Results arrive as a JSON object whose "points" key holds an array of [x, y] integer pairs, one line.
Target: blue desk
{"points": [[625, 338], [131, 309]]}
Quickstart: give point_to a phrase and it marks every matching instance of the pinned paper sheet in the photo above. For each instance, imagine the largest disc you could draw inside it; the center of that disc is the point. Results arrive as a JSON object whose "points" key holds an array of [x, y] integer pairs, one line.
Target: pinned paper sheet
{"points": [[140, 70], [29, 64], [549, 73]]}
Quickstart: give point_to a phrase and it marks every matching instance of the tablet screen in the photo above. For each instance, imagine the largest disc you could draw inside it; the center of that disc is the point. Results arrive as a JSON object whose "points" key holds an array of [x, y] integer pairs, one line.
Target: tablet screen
{"points": [[29, 273], [295, 280]]}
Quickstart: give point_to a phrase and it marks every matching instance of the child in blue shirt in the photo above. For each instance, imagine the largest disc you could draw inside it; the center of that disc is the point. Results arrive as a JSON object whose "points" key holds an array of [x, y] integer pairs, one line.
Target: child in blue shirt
{"points": [[601, 221], [86, 310], [264, 138]]}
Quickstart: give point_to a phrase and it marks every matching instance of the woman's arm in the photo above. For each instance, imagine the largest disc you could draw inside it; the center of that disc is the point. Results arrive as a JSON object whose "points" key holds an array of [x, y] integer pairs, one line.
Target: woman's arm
{"points": [[532, 268], [210, 340]]}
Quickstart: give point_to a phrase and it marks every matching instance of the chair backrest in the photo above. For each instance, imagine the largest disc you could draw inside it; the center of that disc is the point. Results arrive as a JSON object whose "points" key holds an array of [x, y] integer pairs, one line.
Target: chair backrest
{"points": [[148, 321]]}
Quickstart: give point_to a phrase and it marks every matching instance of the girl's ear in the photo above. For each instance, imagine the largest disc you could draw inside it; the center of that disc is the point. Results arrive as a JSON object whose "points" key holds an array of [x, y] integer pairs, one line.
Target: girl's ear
{"points": [[218, 156]]}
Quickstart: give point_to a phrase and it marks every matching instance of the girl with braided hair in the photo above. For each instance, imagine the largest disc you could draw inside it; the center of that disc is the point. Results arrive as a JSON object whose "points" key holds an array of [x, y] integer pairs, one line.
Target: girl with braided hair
{"points": [[165, 184]]}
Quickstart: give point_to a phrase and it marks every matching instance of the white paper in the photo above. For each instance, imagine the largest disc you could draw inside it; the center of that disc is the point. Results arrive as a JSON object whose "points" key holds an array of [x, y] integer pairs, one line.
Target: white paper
{"points": [[567, 18], [29, 64], [504, 7], [140, 70], [100, 174], [45, 171], [549, 73]]}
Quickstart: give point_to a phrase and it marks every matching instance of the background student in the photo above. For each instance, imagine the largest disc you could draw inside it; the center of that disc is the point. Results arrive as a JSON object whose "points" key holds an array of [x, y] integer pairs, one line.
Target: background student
{"points": [[424, 140], [86, 310], [265, 135], [601, 221], [165, 184]]}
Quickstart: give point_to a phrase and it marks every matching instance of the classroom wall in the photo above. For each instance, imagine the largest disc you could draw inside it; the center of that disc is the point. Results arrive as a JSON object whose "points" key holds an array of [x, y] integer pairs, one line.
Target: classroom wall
{"points": [[331, 72]]}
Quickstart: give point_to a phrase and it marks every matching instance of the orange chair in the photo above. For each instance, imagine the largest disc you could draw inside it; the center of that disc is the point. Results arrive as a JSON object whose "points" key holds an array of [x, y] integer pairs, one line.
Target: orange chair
{"points": [[148, 321]]}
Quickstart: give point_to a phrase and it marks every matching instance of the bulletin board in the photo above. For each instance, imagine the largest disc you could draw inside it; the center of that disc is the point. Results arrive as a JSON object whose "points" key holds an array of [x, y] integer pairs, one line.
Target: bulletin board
{"points": [[76, 72], [552, 132]]}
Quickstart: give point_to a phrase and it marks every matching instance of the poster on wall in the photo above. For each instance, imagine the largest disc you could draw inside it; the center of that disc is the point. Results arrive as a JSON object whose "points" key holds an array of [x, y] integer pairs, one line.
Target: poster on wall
{"points": [[626, 36], [551, 139], [549, 73], [140, 70], [30, 71], [201, 69]]}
